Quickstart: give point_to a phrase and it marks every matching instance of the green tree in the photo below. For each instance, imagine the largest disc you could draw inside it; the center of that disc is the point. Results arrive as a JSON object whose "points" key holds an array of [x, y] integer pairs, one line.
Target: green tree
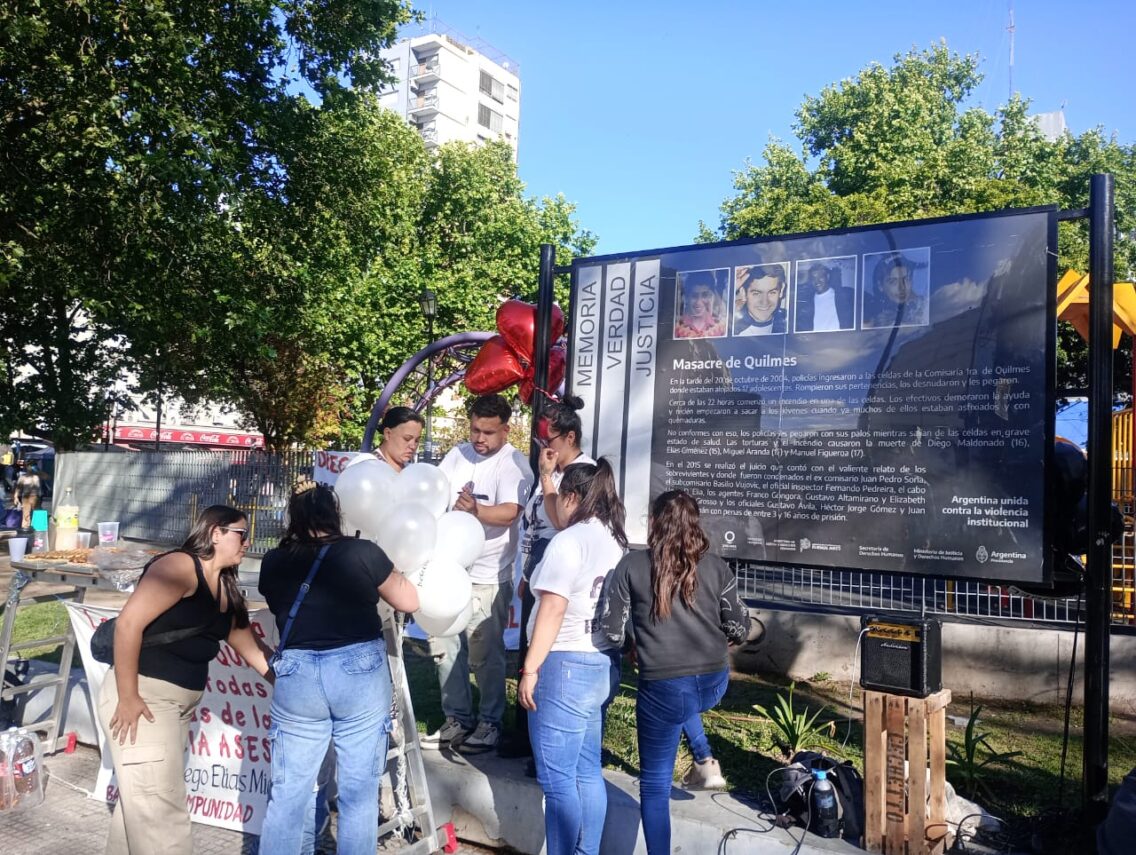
{"points": [[128, 128], [366, 219], [476, 242], [898, 142]]}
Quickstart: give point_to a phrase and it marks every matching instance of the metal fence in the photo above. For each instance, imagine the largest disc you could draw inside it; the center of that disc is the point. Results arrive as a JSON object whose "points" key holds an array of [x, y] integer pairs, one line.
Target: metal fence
{"points": [[857, 592], [155, 496]]}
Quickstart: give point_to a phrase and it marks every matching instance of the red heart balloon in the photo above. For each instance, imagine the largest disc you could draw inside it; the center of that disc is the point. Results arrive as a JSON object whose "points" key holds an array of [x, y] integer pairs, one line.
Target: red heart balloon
{"points": [[557, 363], [516, 322], [493, 369]]}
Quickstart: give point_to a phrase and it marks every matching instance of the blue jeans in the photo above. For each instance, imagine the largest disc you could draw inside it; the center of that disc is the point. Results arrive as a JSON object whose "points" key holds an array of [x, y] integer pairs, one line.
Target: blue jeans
{"points": [[319, 811], [566, 735], [660, 712], [696, 736], [342, 695]]}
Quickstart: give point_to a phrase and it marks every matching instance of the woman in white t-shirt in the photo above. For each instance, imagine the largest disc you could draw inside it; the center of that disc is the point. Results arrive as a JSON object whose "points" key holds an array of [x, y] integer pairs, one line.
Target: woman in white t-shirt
{"points": [[560, 431], [567, 672]]}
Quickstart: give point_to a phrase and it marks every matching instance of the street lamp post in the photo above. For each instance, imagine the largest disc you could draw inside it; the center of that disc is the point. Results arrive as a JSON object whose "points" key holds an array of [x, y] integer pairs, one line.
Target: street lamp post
{"points": [[428, 300]]}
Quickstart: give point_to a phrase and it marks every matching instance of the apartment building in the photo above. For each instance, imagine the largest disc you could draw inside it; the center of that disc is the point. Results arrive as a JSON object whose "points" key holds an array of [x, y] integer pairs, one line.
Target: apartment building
{"points": [[453, 88]]}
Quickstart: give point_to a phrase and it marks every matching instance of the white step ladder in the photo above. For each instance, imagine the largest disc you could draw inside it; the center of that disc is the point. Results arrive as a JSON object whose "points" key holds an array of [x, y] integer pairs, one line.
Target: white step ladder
{"points": [[405, 770]]}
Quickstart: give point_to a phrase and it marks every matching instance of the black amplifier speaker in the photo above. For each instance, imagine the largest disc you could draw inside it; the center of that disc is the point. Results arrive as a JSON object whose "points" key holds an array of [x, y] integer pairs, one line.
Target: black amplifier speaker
{"points": [[901, 655]]}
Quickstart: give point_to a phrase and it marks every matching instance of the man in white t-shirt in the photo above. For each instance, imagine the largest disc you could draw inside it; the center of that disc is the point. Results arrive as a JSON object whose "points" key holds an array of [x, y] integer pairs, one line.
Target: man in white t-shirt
{"points": [[493, 481]]}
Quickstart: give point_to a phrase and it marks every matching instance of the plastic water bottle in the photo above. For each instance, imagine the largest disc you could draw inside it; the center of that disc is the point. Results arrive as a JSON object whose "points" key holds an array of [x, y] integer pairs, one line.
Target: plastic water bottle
{"points": [[825, 814], [7, 785], [25, 762]]}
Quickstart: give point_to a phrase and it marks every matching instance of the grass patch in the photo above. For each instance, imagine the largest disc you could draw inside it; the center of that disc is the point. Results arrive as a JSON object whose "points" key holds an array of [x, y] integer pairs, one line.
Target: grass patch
{"points": [[1023, 788], [41, 620]]}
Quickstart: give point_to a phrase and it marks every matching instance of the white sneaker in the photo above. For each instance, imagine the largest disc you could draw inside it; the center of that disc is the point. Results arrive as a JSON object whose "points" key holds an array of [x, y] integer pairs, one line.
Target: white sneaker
{"points": [[706, 775], [484, 738], [449, 735]]}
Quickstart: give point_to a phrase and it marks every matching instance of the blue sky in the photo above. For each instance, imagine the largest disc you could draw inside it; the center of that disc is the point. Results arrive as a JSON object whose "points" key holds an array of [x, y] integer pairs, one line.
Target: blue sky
{"points": [[640, 112]]}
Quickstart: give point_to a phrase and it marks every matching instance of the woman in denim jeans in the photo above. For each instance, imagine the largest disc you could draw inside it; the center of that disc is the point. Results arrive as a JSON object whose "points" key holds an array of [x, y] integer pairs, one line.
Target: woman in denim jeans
{"points": [[332, 678], [567, 672], [683, 609]]}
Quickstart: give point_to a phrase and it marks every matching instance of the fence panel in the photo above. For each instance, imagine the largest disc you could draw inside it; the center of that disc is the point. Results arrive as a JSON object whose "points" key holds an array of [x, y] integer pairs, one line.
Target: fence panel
{"points": [[155, 496]]}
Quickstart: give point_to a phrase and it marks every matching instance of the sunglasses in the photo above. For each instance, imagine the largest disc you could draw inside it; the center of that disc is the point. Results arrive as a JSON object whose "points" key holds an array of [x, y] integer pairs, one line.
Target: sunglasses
{"points": [[243, 532]]}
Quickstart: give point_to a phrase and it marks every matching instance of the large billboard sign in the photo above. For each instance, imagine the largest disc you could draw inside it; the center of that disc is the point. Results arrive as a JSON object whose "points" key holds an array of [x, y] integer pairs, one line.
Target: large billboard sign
{"points": [[876, 398]]}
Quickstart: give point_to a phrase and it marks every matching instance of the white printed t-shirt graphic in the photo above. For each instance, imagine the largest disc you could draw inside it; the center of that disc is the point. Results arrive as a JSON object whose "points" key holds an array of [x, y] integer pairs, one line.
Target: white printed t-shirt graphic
{"points": [[539, 526], [497, 479], [575, 566]]}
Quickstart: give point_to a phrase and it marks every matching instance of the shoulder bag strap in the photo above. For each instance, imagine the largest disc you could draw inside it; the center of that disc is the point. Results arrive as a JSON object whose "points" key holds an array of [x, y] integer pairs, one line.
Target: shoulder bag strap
{"points": [[303, 592]]}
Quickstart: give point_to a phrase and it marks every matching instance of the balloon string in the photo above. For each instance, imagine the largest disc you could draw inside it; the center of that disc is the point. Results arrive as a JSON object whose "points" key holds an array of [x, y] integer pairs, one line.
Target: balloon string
{"points": [[546, 394]]}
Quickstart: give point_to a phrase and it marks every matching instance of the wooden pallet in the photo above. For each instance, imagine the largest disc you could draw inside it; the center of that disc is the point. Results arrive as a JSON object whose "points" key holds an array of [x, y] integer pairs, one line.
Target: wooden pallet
{"points": [[903, 739]]}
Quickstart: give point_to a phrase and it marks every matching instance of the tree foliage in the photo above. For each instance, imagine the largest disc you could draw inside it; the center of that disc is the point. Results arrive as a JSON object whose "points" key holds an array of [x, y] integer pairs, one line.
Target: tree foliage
{"points": [[899, 142], [174, 210]]}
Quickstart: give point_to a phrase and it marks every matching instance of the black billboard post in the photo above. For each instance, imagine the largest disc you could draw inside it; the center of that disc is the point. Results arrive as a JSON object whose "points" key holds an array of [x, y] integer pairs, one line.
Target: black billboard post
{"points": [[541, 344], [1098, 612]]}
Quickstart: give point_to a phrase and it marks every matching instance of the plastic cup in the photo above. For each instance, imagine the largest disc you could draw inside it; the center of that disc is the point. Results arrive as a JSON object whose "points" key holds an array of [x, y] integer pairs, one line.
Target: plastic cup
{"points": [[108, 533], [17, 546], [82, 539]]}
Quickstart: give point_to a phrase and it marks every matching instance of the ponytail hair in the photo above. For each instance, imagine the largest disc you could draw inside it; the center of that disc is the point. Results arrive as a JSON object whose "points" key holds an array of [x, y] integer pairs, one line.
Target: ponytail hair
{"points": [[593, 485], [564, 416], [676, 543]]}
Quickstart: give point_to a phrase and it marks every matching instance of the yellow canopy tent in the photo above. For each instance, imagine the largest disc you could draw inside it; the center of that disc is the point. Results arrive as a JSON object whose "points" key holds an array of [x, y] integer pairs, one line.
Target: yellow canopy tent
{"points": [[1073, 305]]}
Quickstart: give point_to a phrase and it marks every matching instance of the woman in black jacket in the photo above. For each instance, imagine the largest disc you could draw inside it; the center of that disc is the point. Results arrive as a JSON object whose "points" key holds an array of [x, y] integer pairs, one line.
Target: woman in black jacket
{"points": [[682, 607]]}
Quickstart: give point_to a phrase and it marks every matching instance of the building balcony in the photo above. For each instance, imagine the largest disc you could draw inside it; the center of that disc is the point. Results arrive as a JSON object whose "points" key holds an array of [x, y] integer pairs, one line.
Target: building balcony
{"points": [[424, 105], [425, 71]]}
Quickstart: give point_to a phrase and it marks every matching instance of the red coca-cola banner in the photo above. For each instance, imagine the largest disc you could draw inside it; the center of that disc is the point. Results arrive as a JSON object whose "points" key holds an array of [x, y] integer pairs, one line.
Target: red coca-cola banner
{"points": [[224, 439]]}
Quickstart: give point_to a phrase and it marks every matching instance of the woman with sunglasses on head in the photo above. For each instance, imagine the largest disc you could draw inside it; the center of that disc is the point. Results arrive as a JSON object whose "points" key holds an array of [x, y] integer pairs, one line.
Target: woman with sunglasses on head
{"points": [[567, 673], [681, 607], [332, 678], [150, 694]]}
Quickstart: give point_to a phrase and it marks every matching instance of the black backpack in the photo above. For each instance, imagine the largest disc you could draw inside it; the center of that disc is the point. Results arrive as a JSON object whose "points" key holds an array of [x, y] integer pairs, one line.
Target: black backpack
{"points": [[796, 784]]}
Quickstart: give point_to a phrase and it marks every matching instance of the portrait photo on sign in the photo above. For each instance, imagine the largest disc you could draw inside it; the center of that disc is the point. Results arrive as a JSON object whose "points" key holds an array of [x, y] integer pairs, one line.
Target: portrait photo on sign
{"points": [[825, 294], [897, 288], [702, 304], [761, 299]]}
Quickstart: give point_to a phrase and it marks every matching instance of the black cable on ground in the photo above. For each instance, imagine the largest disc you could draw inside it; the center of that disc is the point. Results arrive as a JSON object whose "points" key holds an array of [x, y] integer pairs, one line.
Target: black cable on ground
{"points": [[1069, 698]]}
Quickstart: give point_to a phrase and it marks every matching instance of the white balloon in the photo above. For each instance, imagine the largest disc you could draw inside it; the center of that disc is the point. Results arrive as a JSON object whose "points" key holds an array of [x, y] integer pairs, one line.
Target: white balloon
{"points": [[407, 534], [414, 576], [425, 484], [461, 538], [363, 489], [361, 457], [444, 591], [444, 629]]}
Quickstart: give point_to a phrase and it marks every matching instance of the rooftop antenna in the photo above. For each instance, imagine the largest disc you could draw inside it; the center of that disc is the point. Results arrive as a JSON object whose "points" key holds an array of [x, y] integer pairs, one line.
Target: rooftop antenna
{"points": [[1011, 31]]}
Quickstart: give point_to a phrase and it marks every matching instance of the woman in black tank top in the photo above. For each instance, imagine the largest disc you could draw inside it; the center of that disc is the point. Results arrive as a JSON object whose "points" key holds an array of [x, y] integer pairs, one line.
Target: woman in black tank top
{"points": [[150, 694]]}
